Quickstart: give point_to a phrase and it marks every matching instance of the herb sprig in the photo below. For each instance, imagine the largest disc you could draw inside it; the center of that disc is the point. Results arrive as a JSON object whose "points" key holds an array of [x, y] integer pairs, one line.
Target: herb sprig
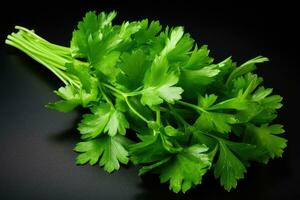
{"points": [[189, 113]]}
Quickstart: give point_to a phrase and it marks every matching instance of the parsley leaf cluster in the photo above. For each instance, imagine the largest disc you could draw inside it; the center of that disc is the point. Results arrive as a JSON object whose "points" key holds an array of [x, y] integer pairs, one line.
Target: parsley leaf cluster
{"points": [[158, 100]]}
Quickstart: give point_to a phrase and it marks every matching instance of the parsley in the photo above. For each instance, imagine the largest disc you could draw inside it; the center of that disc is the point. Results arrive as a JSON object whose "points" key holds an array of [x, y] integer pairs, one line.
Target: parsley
{"points": [[189, 113]]}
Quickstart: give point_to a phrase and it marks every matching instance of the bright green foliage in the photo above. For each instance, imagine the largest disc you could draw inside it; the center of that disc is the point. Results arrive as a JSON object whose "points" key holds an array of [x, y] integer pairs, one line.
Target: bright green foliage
{"points": [[177, 168], [265, 137], [111, 149], [104, 118], [228, 167], [186, 113], [133, 70]]}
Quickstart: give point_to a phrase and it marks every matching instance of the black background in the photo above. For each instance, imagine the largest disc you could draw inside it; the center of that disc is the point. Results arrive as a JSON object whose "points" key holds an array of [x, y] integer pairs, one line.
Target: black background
{"points": [[36, 157]]}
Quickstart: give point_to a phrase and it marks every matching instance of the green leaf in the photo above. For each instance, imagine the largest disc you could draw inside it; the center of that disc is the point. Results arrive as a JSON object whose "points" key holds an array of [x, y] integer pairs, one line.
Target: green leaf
{"points": [[116, 124], [172, 132], [133, 70], [184, 170], [159, 84], [265, 137], [196, 78], [73, 97], [246, 152], [261, 93], [268, 105], [213, 121], [236, 103], [171, 42], [159, 80], [181, 52], [207, 101], [104, 118], [82, 72], [108, 151], [201, 77], [148, 32], [106, 66], [245, 68], [187, 169], [93, 124], [63, 106], [198, 59], [150, 149], [91, 25], [245, 85], [228, 167]]}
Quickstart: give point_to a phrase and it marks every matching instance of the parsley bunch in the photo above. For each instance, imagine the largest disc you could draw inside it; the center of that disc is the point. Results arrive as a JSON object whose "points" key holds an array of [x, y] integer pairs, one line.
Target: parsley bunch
{"points": [[189, 113]]}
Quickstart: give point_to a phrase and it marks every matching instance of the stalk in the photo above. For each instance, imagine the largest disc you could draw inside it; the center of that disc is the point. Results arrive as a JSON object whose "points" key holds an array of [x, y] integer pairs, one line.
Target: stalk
{"points": [[52, 56]]}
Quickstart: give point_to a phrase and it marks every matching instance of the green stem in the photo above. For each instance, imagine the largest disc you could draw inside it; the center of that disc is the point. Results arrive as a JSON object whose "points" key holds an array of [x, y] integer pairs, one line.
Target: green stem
{"points": [[42, 40], [52, 69], [135, 111], [191, 106], [124, 94], [48, 57], [47, 45], [158, 117], [41, 51], [34, 50], [177, 116], [213, 136], [105, 96], [62, 53]]}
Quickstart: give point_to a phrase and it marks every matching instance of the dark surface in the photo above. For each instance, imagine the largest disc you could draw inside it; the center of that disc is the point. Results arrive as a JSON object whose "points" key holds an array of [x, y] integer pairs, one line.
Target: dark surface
{"points": [[36, 157]]}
